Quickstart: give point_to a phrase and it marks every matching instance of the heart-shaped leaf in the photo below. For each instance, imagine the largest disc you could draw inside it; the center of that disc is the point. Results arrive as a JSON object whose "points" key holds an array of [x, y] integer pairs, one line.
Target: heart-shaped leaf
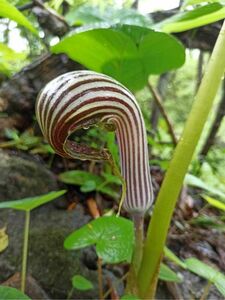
{"points": [[113, 237], [128, 53]]}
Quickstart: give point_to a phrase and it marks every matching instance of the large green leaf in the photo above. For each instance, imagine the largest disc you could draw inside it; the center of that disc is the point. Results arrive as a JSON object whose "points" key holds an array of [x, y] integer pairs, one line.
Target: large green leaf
{"points": [[166, 274], [28, 204], [81, 283], [127, 53], [7, 10], [160, 52], [113, 237], [197, 17], [207, 272], [9, 293]]}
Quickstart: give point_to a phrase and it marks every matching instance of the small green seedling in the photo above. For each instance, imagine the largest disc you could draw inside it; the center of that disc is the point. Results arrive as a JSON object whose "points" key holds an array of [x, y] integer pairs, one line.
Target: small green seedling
{"points": [[27, 205], [90, 182]]}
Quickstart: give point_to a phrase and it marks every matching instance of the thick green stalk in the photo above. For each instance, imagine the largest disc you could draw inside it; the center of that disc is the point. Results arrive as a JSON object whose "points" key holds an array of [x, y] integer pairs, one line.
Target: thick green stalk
{"points": [[173, 181], [25, 251]]}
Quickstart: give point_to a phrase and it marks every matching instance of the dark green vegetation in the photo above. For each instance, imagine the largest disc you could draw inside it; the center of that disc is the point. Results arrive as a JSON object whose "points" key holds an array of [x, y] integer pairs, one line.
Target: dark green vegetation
{"points": [[161, 58]]}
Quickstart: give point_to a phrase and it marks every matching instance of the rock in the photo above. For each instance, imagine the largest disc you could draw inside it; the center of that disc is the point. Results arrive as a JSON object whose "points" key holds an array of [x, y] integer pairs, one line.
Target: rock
{"points": [[49, 263], [22, 175], [33, 290]]}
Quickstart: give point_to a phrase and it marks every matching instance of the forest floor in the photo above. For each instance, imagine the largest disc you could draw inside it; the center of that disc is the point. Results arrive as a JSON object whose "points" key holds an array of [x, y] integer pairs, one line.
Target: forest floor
{"points": [[50, 268]]}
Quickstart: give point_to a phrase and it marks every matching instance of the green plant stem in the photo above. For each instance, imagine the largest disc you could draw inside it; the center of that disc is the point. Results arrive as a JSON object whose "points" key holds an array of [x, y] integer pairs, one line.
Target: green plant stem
{"points": [[139, 237], [70, 293], [138, 219], [166, 200], [25, 251]]}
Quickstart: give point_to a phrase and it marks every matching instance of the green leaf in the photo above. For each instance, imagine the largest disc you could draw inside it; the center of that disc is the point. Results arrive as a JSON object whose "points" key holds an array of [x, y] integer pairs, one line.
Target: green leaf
{"points": [[88, 186], [195, 2], [87, 14], [81, 283], [214, 202], [118, 54], [128, 53], [84, 14], [9, 11], [207, 272], [220, 284], [9, 293], [192, 19], [112, 146], [170, 255], [166, 274], [198, 12], [9, 59], [111, 178], [197, 182], [78, 177], [160, 53], [113, 237], [28, 204], [106, 189], [206, 221], [90, 182]]}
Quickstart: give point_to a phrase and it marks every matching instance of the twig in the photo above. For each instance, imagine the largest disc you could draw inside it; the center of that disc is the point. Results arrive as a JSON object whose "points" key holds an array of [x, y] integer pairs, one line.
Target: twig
{"points": [[114, 295], [174, 290], [158, 101], [115, 285], [206, 291], [100, 281]]}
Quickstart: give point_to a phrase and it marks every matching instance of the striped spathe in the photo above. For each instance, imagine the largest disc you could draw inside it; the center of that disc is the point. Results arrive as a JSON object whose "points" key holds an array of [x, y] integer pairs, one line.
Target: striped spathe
{"points": [[80, 99]]}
